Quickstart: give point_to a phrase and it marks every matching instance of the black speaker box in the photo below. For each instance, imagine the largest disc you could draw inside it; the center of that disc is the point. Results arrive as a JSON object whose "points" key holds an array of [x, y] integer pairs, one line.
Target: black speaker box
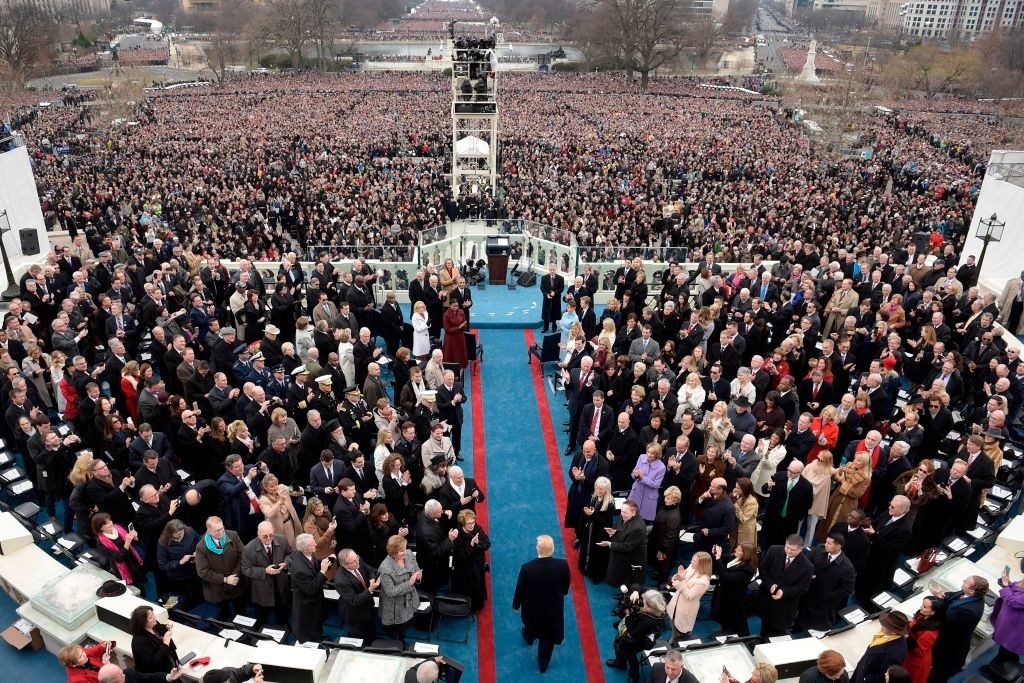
{"points": [[528, 279], [29, 241]]}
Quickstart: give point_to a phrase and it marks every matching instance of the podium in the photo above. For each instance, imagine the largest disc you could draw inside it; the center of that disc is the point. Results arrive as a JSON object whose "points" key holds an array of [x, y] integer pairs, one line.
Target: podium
{"points": [[498, 248]]}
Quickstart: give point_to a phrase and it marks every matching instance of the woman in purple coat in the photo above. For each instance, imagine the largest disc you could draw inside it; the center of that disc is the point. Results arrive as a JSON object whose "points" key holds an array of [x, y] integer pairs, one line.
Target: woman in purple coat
{"points": [[647, 477], [1008, 620]]}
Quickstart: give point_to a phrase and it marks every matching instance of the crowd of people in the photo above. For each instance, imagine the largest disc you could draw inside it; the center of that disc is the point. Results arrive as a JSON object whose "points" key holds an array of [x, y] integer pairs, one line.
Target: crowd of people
{"points": [[672, 167], [758, 410], [711, 398], [243, 447]]}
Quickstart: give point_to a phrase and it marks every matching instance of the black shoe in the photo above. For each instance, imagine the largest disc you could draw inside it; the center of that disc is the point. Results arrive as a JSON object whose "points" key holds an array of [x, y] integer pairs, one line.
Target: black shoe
{"points": [[568, 450], [614, 663], [632, 679], [459, 458], [575, 543], [529, 641]]}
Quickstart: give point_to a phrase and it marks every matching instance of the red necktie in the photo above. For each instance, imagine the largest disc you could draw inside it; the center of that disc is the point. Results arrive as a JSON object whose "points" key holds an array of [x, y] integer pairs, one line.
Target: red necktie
{"points": [[595, 422], [359, 576], [270, 554]]}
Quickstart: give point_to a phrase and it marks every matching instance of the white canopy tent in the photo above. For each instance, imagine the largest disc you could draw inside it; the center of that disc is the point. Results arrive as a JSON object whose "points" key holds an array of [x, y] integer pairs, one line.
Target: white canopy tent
{"points": [[472, 146]]}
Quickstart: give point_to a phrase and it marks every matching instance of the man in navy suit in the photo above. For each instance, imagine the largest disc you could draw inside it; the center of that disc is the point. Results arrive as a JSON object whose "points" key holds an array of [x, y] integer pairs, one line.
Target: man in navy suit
{"points": [[325, 476], [540, 592], [785, 577], [960, 613], [355, 583], [450, 397]]}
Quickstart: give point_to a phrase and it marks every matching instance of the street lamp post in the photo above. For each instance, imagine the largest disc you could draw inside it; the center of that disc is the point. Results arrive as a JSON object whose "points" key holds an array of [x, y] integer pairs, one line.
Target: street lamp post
{"points": [[988, 230], [12, 291]]}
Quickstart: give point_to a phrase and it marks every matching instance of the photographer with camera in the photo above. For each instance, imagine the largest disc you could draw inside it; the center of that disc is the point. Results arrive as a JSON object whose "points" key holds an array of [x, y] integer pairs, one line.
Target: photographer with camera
{"points": [[638, 630]]}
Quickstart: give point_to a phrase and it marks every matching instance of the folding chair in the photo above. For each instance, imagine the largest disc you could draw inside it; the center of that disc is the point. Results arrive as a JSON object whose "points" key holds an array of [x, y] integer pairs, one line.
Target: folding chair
{"points": [[456, 606]]}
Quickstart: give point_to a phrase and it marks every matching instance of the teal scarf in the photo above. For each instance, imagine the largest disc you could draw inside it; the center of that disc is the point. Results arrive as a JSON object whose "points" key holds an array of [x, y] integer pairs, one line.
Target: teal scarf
{"points": [[211, 545]]}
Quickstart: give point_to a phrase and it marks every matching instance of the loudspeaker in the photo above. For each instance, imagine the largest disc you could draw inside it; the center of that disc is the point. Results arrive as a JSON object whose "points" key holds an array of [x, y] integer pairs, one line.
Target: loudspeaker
{"points": [[528, 279], [29, 241]]}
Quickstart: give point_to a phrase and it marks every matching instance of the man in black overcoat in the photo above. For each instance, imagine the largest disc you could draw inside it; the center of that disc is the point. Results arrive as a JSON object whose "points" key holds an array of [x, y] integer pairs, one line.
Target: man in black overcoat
{"points": [[540, 592]]}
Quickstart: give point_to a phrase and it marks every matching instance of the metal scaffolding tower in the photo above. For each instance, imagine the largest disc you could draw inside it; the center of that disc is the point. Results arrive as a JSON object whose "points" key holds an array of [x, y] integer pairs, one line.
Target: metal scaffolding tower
{"points": [[474, 114]]}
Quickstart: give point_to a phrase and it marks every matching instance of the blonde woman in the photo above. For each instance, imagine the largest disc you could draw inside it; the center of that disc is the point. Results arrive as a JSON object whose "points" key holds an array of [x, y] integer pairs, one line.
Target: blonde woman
{"points": [[283, 426], [716, 427], [772, 450], [420, 331], [321, 525], [607, 332], [690, 585], [691, 396], [79, 502], [55, 372], [346, 355], [276, 505], [242, 442], [303, 336], [819, 473], [854, 478], [34, 368]]}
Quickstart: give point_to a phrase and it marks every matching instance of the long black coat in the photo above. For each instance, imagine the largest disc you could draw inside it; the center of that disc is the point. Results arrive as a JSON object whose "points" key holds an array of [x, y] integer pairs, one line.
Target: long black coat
{"points": [[830, 588], [778, 525], [959, 617], [887, 543], [540, 592], [355, 602], [628, 547], [877, 659], [307, 597], [777, 615], [551, 307], [729, 602]]}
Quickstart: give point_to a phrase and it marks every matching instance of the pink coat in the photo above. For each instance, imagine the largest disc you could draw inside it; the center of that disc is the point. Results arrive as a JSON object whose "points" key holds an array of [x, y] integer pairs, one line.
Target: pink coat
{"points": [[685, 604], [645, 489]]}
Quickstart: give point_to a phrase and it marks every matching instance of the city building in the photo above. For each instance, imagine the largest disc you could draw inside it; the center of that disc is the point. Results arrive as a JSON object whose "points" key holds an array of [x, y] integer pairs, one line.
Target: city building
{"points": [[64, 9]]}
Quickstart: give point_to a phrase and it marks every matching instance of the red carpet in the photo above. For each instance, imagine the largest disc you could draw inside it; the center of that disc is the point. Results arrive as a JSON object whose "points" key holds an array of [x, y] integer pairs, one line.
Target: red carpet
{"points": [[485, 618], [556, 467]]}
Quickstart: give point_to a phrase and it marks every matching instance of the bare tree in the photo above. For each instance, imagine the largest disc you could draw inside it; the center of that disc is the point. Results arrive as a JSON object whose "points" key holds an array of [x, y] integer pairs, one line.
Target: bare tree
{"points": [[641, 35], [927, 68], [25, 40]]}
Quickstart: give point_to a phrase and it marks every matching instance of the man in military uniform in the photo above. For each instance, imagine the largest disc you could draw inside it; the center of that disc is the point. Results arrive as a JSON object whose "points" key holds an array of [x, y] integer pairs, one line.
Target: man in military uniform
{"points": [[242, 366], [258, 374], [323, 400], [357, 420], [298, 396], [277, 387]]}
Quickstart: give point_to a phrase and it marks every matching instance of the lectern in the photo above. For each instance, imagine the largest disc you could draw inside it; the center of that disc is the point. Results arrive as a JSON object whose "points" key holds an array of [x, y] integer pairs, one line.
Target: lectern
{"points": [[498, 248]]}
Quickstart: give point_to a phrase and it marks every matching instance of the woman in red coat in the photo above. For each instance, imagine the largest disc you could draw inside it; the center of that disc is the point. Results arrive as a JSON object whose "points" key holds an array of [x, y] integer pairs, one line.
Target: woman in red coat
{"points": [[924, 629], [83, 664], [455, 325], [130, 389], [826, 432]]}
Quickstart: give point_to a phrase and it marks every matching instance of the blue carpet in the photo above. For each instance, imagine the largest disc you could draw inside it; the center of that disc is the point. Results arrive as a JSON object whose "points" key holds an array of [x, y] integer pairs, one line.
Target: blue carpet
{"points": [[520, 507], [498, 307]]}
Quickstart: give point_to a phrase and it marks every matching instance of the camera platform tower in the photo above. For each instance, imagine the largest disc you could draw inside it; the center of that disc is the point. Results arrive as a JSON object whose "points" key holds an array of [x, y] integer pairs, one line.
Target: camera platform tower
{"points": [[474, 113]]}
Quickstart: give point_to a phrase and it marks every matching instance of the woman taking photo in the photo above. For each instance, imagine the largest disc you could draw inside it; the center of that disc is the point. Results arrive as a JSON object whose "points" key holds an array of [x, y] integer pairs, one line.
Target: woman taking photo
{"points": [[729, 602], [275, 503], [116, 548], [321, 525], [469, 560], [826, 433], [242, 442], [717, 427], [398, 575], [117, 440], [152, 648], [690, 584], [637, 632], [595, 517], [82, 664]]}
